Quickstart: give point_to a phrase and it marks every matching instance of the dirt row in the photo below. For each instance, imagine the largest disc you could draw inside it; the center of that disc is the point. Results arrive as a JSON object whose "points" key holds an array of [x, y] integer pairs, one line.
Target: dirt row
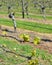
{"points": [[44, 45]]}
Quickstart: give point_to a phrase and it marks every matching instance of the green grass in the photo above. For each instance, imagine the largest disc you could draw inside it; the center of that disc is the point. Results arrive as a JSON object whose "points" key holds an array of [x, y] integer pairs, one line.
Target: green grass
{"points": [[36, 16], [11, 59], [24, 49], [3, 12], [40, 17], [43, 28]]}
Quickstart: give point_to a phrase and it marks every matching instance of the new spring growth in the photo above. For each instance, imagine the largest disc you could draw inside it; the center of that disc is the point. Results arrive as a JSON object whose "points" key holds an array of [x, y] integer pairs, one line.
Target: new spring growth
{"points": [[33, 62], [4, 45], [14, 49], [33, 53], [36, 40], [25, 37], [4, 33]]}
